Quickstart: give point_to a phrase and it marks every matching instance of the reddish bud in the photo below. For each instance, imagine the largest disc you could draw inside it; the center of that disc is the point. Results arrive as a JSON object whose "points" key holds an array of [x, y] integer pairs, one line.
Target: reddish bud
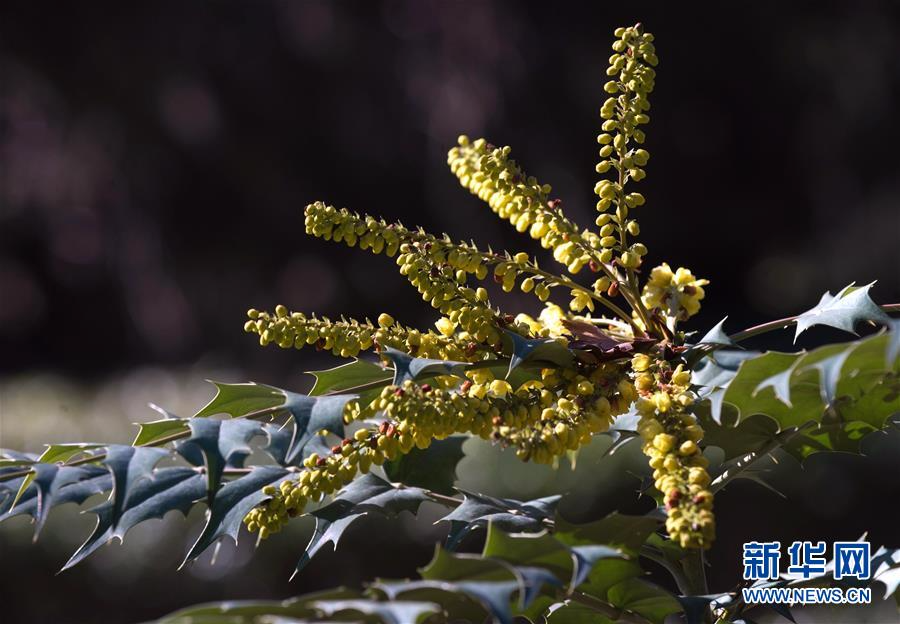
{"points": [[426, 387]]}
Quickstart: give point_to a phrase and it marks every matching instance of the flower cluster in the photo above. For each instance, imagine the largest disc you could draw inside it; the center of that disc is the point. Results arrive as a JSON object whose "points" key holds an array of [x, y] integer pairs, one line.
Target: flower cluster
{"points": [[676, 294], [550, 409], [671, 435], [347, 338], [321, 476], [623, 112], [488, 172], [577, 405]]}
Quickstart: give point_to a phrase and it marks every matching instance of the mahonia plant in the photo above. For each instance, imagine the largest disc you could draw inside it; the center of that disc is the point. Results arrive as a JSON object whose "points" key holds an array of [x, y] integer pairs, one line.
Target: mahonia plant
{"points": [[606, 354]]}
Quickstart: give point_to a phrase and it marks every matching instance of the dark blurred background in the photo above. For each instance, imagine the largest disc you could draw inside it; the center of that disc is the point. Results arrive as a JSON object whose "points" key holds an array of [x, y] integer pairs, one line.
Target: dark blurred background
{"points": [[155, 160]]}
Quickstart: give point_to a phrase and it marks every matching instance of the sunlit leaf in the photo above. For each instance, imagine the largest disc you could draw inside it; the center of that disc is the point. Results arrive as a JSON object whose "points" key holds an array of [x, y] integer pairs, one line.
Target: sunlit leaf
{"points": [[845, 311]]}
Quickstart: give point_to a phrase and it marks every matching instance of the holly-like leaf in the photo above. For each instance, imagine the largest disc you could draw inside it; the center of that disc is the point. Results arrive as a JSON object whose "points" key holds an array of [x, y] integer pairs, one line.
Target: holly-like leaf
{"points": [[477, 510], [251, 611], [348, 376], [849, 307], [315, 414], [409, 368], [644, 598], [61, 453], [575, 613], [494, 597], [846, 388], [395, 612], [489, 580], [433, 468], [885, 567], [216, 444], [717, 336], [366, 494], [545, 551], [44, 484], [92, 480], [128, 465], [157, 430], [241, 399], [167, 489], [526, 350], [231, 504], [616, 529], [279, 440]]}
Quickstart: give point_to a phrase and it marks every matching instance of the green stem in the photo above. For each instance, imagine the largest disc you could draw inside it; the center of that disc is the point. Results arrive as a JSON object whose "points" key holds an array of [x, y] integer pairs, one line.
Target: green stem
{"points": [[694, 570]]}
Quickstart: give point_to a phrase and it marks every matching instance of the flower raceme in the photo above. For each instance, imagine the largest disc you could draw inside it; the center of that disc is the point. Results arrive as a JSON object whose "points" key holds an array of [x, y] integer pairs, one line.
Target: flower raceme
{"points": [[546, 409], [670, 435]]}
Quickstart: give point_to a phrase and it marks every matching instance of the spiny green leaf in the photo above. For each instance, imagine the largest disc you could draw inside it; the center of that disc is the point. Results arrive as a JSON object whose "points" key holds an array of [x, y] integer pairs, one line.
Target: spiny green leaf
{"points": [[128, 465], [396, 612], [639, 596], [408, 368], [842, 387], [614, 530], [62, 453], [325, 532], [850, 306], [495, 597], [449, 566], [241, 399], [545, 551], [45, 483], [489, 581], [368, 493], [525, 350], [279, 440], [156, 430], [176, 488], [433, 468], [248, 611], [477, 510], [575, 613], [92, 480], [231, 504], [885, 566], [314, 414], [347, 376], [216, 444], [530, 549], [717, 336]]}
